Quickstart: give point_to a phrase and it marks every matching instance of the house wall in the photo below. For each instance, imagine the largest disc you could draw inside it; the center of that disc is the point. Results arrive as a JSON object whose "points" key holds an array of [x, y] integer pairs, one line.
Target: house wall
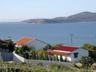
{"points": [[6, 56], [81, 52]]}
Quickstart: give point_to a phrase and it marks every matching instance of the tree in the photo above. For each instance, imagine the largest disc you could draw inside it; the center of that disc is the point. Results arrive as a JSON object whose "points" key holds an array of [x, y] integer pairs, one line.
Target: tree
{"points": [[24, 51], [11, 45], [42, 54], [91, 49], [7, 45], [33, 54], [47, 46], [86, 61], [56, 46]]}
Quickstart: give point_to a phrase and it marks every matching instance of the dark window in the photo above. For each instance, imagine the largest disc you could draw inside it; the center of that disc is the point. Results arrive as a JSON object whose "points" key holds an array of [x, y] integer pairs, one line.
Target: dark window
{"points": [[76, 55]]}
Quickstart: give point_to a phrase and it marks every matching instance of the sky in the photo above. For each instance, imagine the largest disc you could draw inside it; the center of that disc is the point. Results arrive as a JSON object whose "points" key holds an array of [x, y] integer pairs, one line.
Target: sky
{"points": [[17, 10]]}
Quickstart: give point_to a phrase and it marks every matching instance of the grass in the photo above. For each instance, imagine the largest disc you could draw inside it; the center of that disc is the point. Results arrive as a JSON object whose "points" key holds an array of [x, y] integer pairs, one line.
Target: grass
{"points": [[22, 67]]}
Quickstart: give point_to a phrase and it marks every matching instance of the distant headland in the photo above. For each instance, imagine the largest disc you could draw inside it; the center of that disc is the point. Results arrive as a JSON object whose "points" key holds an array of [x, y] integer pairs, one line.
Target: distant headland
{"points": [[80, 17]]}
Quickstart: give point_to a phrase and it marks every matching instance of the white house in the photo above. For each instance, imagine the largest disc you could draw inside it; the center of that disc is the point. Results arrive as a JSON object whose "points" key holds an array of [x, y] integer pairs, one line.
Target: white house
{"points": [[68, 53]]}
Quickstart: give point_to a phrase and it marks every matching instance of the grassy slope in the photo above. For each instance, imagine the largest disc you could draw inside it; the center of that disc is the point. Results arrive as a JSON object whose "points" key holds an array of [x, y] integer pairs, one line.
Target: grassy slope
{"points": [[8, 67]]}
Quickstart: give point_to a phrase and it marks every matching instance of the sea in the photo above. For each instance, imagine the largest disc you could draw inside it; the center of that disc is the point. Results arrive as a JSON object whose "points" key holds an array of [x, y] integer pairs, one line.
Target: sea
{"points": [[75, 34]]}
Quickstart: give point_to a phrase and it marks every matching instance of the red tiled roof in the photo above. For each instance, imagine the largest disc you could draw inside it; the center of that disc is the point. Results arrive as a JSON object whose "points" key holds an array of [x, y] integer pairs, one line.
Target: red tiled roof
{"points": [[23, 41], [66, 48], [62, 50]]}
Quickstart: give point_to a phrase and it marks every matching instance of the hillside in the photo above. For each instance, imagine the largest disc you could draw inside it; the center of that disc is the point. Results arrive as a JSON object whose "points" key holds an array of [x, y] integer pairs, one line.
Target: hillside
{"points": [[80, 17]]}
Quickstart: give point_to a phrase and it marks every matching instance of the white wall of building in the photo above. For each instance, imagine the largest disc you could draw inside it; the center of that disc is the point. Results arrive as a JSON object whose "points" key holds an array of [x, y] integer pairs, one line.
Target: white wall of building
{"points": [[81, 52]]}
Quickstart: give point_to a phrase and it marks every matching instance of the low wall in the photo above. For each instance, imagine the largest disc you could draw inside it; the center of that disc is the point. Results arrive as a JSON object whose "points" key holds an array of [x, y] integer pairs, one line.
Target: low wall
{"points": [[17, 58]]}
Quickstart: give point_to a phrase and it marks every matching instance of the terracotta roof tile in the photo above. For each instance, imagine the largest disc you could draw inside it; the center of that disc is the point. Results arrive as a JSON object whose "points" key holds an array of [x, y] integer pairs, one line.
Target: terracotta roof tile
{"points": [[24, 41]]}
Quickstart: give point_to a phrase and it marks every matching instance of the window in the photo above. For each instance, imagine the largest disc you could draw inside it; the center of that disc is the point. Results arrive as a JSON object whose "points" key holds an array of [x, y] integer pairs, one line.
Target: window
{"points": [[76, 55]]}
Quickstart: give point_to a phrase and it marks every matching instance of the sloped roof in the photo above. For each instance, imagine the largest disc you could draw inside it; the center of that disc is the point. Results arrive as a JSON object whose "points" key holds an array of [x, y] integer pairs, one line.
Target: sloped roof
{"points": [[24, 41], [66, 48], [61, 49]]}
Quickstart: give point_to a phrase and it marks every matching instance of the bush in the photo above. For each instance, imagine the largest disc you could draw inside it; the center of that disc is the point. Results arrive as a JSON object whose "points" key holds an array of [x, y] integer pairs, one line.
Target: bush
{"points": [[86, 61]]}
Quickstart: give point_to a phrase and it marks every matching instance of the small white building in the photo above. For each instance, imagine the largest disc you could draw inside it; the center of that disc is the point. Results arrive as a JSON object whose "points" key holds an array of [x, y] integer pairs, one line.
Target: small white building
{"points": [[68, 53]]}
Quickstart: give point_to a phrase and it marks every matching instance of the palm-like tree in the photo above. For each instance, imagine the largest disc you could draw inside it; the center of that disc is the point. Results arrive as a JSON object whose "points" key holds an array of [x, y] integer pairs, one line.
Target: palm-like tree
{"points": [[42, 54], [33, 54]]}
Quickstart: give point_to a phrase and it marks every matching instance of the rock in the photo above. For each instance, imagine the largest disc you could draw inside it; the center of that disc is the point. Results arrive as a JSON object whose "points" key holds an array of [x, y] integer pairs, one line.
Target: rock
{"points": [[78, 65], [94, 66]]}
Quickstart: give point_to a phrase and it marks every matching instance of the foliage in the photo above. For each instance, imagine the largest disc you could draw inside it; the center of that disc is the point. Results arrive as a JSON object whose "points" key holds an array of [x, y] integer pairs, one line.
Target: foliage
{"points": [[7, 44], [31, 53], [56, 46], [60, 68], [47, 46], [92, 54], [23, 51], [23, 67], [86, 61], [91, 49]]}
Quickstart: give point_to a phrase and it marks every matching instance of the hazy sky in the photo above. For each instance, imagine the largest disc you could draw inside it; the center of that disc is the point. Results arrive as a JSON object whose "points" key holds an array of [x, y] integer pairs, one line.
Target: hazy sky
{"points": [[14, 10]]}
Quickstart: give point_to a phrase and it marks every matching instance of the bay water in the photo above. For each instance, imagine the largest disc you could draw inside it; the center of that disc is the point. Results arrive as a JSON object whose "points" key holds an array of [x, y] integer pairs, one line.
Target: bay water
{"points": [[76, 34]]}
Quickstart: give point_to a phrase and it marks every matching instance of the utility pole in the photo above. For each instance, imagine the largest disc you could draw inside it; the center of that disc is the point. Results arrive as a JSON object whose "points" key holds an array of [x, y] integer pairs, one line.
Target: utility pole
{"points": [[71, 39]]}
